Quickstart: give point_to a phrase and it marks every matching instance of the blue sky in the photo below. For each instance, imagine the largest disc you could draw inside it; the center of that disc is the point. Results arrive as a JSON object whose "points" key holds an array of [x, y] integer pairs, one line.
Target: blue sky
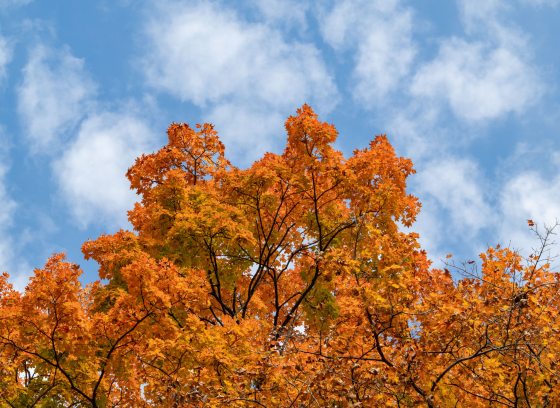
{"points": [[469, 89]]}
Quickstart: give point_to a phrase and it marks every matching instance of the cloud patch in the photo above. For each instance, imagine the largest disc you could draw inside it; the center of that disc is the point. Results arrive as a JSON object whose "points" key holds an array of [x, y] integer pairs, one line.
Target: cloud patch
{"points": [[455, 206], [5, 57], [6, 4], [485, 75], [528, 195], [291, 14], [53, 97], [211, 57], [8, 206], [476, 81], [380, 35], [456, 184], [247, 124], [11, 260], [91, 172], [541, 3]]}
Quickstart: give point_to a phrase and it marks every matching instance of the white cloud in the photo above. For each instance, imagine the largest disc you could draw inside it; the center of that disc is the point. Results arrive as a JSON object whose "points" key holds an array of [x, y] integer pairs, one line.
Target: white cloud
{"points": [[209, 56], [60, 114], [5, 57], [286, 13], [11, 260], [204, 54], [6, 203], [478, 81], [471, 80], [488, 10], [415, 131], [5, 4], [455, 206], [528, 195], [430, 226], [480, 15], [91, 172], [381, 33], [541, 3], [248, 124], [457, 185], [485, 75], [53, 97]]}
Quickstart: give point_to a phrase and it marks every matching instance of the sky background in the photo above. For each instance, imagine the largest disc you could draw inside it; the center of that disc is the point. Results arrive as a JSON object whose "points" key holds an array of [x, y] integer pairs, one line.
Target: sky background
{"points": [[468, 89]]}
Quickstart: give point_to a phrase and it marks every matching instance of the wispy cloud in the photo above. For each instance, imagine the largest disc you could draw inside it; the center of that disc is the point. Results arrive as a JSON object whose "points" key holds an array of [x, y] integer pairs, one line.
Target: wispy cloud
{"points": [[379, 35], [477, 81], [456, 206], [480, 15], [541, 3], [7, 4], [457, 186], [527, 195], [485, 74], [90, 148], [472, 80], [91, 171], [53, 97], [213, 58], [437, 91], [11, 259], [6, 221], [289, 14], [5, 57]]}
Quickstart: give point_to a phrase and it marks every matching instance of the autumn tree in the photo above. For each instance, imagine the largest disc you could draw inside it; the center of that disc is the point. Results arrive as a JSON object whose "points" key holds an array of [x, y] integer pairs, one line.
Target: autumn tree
{"points": [[289, 283]]}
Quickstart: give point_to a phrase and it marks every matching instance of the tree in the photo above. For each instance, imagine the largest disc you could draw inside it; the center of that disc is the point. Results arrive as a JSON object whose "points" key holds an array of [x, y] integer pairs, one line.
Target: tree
{"points": [[289, 283]]}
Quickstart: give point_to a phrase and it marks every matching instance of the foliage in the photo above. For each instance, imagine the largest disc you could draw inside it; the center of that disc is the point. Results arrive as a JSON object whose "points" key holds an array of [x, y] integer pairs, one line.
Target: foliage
{"points": [[289, 283]]}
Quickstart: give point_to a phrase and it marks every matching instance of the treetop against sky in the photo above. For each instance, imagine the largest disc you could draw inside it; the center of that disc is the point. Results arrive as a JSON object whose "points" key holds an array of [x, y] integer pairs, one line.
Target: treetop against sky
{"points": [[467, 89], [287, 283]]}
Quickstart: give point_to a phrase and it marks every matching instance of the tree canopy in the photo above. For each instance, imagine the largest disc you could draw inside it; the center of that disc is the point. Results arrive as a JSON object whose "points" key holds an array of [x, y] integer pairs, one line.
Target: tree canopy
{"points": [[291, 283]]}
